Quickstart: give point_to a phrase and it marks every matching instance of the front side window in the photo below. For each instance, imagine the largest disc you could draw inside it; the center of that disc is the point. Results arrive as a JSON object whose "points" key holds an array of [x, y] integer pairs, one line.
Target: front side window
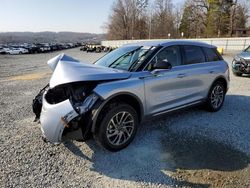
{"points": [[193, 55], [169, 54], [124, 58]]}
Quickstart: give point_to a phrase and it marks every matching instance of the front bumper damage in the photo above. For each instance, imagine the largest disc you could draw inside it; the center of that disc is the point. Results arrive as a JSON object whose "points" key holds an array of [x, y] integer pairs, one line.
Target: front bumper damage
{"points": [[64, 106], [55, 118], [241, 66]]}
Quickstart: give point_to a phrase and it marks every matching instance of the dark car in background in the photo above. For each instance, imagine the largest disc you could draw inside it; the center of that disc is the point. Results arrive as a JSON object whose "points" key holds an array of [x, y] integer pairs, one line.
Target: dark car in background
{"points": [[241, 63], [32, 49]]}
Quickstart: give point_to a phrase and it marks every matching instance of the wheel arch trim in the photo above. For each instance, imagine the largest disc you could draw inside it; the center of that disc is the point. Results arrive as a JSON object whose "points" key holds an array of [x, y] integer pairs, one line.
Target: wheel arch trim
{"points": [[103, 102], [219, 78]]}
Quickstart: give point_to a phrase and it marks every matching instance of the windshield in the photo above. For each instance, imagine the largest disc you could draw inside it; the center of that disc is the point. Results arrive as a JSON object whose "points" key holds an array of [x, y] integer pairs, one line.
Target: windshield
{"points": [[248, 49], [125, 57]]}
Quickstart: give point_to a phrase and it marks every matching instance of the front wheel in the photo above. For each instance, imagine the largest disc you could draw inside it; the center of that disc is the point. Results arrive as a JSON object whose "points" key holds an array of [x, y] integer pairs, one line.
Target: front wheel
{"points": [[117, 127], [216, 97]]}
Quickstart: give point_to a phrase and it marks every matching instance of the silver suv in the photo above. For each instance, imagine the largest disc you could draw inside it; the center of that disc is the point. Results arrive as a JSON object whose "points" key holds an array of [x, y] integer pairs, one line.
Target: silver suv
{"points": [[109, 99]]}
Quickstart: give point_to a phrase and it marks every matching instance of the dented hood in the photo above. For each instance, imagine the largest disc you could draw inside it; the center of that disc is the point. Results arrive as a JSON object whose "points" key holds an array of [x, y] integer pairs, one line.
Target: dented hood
{"points": [[68, 70], [245, 55]]}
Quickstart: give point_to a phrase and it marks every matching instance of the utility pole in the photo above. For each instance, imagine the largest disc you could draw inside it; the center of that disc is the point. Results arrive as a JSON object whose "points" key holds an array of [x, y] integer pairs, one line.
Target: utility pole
{"points": [[150, 28], [232, 17], [150, 24]]}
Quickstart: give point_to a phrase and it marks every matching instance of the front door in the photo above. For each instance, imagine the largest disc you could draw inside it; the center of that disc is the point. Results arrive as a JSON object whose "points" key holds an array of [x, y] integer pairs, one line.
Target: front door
{"points": [[169, 89]]}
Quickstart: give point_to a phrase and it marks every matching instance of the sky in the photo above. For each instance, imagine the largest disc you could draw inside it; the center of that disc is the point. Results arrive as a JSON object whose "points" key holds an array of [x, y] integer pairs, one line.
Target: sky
{"points": [[55, 15]]}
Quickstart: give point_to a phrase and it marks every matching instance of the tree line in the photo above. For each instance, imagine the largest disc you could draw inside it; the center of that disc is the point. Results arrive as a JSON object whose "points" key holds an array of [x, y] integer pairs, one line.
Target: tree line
{"points": [[141, 19]]}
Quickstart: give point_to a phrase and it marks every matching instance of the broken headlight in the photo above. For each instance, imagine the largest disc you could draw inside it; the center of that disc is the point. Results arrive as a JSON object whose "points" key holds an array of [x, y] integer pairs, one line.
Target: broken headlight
{"points": [[87, 104]]}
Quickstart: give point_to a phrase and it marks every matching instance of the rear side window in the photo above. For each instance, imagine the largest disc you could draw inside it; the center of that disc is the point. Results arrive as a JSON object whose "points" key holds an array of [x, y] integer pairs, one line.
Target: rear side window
{"points": [[211, 54], [193, 55]]}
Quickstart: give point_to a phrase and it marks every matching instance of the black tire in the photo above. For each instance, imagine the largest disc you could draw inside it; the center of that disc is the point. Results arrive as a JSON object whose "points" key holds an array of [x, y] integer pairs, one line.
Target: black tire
{"points": [[237, 73], [104, 121], [210, 104]]}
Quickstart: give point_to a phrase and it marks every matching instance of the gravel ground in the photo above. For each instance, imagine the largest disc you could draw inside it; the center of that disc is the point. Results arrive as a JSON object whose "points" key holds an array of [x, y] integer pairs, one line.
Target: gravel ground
{"points": [[190, 148]]}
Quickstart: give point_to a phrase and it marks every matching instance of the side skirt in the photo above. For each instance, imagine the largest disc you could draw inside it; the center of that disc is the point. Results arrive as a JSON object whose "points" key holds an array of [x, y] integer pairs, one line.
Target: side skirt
{"points": [[171, 110]]}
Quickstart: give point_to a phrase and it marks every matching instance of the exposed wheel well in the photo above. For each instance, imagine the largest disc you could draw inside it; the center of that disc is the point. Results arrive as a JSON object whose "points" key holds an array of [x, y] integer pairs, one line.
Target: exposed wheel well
{"points": [[130, 100], [122, 98], [222, 80]]}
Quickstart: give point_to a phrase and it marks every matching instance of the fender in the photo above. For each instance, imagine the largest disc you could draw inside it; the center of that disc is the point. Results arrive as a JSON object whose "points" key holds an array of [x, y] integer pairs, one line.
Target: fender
{"points": [[97, 108], [220, 78]]}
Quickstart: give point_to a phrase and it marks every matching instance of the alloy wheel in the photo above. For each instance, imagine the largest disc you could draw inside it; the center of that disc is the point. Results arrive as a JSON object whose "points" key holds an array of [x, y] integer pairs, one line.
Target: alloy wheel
{"points": [[120, 128], [217, 96]]}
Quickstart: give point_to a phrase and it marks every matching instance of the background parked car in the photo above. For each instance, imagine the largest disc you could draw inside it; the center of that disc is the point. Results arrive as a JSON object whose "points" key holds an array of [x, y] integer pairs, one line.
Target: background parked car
{"points": [[44, 48], [14, 51], [2, 50], [241, 63], [31, 48], [83, 48]]}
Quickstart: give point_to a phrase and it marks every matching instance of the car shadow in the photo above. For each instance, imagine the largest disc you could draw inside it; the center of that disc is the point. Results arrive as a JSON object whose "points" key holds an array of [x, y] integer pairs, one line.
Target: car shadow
{"points": [[196, 152], [162, 147], [133, 164]]}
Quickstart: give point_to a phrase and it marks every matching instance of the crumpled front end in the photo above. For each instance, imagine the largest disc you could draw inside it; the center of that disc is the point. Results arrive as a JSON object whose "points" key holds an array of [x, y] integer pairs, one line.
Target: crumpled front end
{"points": [[63, 113], [63, 105], [52, 119], [241, 65]]}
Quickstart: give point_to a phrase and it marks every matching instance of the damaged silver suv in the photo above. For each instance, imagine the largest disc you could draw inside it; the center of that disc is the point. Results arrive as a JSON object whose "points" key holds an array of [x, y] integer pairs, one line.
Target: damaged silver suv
{"points": [[109, 99]]}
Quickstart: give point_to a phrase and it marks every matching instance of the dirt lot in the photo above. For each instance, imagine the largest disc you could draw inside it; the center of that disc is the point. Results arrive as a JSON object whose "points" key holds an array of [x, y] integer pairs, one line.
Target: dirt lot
{"points": [[191, 148]]}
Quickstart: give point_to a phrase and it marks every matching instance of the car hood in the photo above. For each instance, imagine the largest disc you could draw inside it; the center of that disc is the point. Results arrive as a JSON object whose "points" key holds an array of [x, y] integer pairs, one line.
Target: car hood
{"points": [[244, 55], [68, 70]]}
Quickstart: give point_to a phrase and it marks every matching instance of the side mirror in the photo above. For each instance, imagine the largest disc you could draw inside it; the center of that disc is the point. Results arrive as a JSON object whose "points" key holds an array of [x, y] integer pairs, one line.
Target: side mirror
{"points": [[163, 64]]}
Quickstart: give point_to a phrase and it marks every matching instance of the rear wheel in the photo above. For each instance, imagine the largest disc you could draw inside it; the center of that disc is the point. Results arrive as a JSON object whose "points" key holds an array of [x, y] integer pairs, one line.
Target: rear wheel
{"points": [[216, 97], [117, 126]]}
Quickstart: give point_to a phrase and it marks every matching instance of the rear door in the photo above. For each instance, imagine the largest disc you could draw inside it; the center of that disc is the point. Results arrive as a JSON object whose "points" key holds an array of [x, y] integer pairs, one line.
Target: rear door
{"points": [[199, 71]]}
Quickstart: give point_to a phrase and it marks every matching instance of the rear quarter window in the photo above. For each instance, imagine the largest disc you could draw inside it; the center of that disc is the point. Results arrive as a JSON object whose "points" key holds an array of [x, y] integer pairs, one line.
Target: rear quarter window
{"points": [[211, 54], [193, 55]]}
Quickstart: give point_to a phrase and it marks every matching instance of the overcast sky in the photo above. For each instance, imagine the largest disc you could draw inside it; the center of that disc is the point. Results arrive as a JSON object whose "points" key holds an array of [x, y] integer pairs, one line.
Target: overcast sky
{"points": [[54, 15]]}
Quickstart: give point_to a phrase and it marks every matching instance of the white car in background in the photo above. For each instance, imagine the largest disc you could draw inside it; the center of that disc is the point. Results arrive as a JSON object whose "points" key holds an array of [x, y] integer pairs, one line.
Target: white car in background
{"points": [[2, 50], [14, 51]]}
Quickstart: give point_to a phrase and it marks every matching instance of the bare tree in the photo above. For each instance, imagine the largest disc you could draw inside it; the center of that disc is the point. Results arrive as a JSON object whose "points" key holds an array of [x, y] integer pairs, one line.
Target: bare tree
{"points": [[193, 21], [128, 20], [163, 19], [241, 16], [135, 19]]}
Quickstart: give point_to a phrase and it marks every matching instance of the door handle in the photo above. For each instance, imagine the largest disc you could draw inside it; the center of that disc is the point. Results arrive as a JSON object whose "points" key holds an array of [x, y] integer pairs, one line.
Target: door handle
{"points": [[211, 71], [181, 75]]}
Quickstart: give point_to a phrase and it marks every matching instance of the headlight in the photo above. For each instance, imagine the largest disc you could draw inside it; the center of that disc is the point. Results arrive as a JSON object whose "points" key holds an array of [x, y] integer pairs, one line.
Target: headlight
{"points": [[87, 104], [237, 60], [234, 62]]}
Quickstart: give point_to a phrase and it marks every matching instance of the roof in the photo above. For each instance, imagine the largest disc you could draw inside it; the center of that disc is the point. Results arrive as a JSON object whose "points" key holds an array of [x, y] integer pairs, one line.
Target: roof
{"points": [[171, 42]]}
